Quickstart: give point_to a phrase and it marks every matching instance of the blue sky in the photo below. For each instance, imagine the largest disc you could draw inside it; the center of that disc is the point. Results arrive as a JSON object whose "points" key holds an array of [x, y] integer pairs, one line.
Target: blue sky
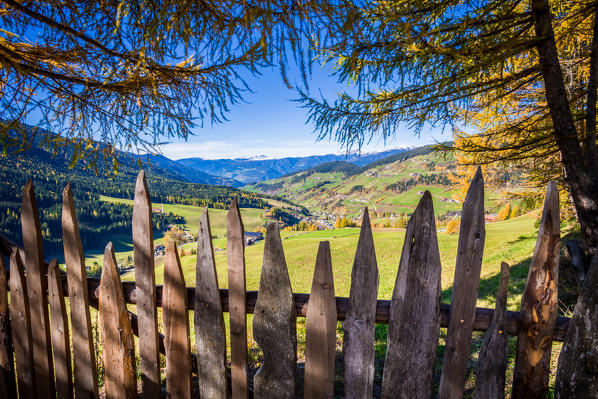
{"points": [[271, 124]]}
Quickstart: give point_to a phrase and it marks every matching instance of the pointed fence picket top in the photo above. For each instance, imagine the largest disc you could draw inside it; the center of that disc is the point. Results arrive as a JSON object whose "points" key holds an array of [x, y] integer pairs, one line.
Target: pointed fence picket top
{"points": [[275, 323], [358, 342], [493, 357], [320, 336], [61, 343], [20, 324], [118, 346], [176, 327], [38, 301], [8, 387], [576, 371], [210, 333], [84, 359], [539, 306], [468, 267], [145, 290], [237, 302], [414, 320]]}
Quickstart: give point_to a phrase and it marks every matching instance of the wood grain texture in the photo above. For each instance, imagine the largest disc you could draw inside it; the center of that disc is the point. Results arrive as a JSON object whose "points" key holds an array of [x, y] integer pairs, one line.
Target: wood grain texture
{"points": [[20, 323], [84, 359], [61, 343], [275, 323], [8, 387], [414, 321], [210, 333], [577, 371], [176, 327], [145, 283], [470, 250], [118, 346], [483, 316], [235, 258], [539, 306], [493, 357], [358, 342], [320, 336], [38, 301]]}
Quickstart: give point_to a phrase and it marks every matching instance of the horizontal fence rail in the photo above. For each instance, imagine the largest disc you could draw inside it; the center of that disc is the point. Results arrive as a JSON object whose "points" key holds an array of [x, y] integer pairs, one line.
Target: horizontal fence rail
{"points": [[483, 316]]}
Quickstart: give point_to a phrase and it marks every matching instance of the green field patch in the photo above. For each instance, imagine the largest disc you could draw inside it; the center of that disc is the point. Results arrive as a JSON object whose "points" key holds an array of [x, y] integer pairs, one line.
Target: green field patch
{"points": [[511, 241]]}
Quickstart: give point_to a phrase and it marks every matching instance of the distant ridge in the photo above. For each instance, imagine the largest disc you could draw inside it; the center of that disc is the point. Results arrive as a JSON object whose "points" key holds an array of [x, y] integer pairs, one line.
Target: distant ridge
{"points": [[351, 169], [158, 164], [256, 169]]}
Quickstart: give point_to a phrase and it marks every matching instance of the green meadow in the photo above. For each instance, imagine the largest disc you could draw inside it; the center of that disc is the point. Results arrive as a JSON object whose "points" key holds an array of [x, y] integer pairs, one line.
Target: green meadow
{"points": [[511, 241], [253, 219]]}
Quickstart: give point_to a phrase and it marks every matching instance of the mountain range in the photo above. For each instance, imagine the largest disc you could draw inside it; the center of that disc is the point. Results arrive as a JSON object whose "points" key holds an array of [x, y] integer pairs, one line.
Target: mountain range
{"points": [[244, 171], [234, 172]]}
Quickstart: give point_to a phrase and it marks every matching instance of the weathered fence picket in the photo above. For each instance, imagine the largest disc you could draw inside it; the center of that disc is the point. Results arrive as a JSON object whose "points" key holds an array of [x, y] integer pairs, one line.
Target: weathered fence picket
{"points": [[493, 357], [20, 323], [235, 257], [118, 346], [210, 333], [468, 267], [38, 301], [358, 342], [145, 283], [414, 315], [320, 335], [84, 359], [414, 321], [8, 387], [61, 343], [275, 323], [176, 327], [539, 306]]}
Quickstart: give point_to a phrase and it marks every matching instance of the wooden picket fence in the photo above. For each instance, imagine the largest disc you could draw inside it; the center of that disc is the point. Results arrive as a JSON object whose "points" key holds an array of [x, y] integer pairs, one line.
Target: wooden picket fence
{"points": [[52, 360]]}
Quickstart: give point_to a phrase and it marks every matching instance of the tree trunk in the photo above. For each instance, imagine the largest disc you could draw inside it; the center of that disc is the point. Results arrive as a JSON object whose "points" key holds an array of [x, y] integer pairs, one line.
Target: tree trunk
{"points": [[578, 361], [581, 176]]}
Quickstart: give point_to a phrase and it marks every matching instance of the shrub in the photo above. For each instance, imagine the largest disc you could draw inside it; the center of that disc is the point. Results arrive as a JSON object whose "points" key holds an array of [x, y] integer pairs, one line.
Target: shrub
{"points": [[453, 226]]}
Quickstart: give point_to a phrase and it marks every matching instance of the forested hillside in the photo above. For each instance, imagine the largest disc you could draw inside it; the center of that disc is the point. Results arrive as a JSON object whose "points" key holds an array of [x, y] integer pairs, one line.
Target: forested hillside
{"points": [[391, 187], [97, 218]]}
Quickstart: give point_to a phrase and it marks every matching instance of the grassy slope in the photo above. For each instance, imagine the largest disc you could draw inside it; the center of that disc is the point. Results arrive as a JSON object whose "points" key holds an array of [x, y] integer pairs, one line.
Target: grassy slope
{"points": [[335, 196], [512, 241], [252, 219]]}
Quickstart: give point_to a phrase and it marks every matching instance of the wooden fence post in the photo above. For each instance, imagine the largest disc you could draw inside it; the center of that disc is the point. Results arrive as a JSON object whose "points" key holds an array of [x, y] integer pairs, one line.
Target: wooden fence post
{"points": [[493, 357], [465, 291], [20, 323], [539, 306], [235, 256], [275, 323], [61, 343], [176, 327], [38, 300], [84, 359], [118, 346], [8, 387], [210, 333], [145, 289], [578, 361], [320, 337], [358, 342], [414, 320]]}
